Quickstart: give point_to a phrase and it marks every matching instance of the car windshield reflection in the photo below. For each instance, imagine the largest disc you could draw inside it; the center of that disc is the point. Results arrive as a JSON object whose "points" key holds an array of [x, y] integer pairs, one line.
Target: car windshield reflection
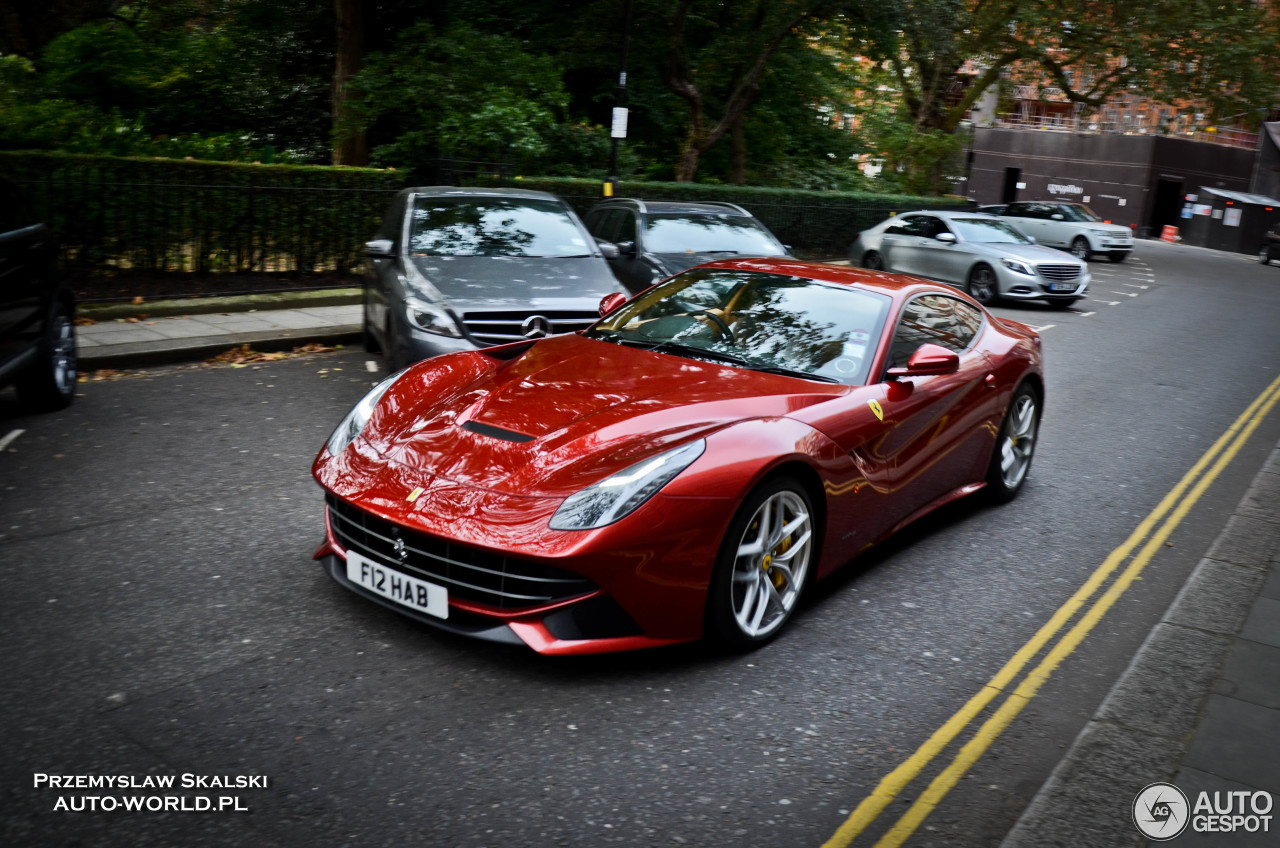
{"points": [[493, 226], [751, 319], [680, 233], [988, 231]]}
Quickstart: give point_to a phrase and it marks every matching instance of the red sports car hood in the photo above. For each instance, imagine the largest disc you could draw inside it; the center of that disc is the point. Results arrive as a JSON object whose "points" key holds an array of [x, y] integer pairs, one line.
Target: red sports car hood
{"points": [[567, 412]]}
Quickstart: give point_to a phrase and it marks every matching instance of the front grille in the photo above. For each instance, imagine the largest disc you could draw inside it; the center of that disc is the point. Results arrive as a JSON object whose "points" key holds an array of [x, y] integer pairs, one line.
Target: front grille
{"points": [[494, 328], [1059, 273], [470, 574]]}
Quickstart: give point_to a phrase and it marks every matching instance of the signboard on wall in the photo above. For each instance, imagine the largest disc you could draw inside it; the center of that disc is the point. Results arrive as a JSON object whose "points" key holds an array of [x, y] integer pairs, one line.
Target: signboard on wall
{"points": [[1232, 218]]}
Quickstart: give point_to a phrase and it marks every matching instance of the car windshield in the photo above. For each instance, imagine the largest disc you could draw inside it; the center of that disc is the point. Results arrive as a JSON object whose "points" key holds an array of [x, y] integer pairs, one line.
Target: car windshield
{"points": [[988, 230], [761, 321], [678, 232], [493, 226], [1079, 212]]}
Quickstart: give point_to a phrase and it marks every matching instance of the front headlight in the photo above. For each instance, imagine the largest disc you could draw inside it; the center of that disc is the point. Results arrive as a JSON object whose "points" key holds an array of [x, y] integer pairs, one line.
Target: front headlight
{"points": [[1101, 233], [358, 416], [1018, 267], [620, 495], [430, 318]]}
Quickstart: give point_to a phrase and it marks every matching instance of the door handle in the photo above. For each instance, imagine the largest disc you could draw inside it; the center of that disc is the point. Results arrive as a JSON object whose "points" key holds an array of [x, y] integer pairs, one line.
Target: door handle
{"points": [[990, 381]]}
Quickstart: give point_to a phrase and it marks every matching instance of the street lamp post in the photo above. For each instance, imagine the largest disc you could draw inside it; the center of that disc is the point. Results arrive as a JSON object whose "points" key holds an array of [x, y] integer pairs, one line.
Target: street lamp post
{"points": [[618, 130]]}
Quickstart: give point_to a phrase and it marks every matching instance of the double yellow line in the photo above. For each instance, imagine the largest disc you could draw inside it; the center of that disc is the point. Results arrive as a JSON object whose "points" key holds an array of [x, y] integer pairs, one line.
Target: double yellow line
{"points": [[1175, 506]]}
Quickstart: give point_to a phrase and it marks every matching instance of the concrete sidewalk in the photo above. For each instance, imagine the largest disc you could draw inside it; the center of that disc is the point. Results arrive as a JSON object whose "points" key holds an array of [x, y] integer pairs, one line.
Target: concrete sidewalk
{"points": [[1199, 706], [132, 342]]}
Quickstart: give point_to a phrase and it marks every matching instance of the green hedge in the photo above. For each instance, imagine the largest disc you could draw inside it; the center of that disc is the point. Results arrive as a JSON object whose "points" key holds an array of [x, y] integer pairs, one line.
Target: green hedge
{"points": [[176, 215], [173, 215]]}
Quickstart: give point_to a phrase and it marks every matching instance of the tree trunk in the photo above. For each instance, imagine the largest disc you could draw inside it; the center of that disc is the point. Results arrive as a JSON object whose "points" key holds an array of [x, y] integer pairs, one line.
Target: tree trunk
{"points": [[349, 148], [738, 169]]}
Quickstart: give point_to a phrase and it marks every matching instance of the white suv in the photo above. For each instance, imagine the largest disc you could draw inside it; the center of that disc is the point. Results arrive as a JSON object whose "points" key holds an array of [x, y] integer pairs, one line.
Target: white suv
{"points": [[1070, 226]]}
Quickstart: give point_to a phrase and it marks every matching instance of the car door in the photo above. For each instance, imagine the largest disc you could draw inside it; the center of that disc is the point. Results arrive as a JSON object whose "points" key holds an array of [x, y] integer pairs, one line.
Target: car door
{"points": [[945, 261], [940, 428], [619, 226], [1027, 217], [899, 245], [22, 245]]}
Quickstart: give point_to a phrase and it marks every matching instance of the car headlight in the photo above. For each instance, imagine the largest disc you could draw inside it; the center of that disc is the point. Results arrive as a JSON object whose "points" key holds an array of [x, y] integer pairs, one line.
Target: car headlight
{"points": [[430, 318], [359, 416], [618, 496], [1101, 233], [1018, 267]]}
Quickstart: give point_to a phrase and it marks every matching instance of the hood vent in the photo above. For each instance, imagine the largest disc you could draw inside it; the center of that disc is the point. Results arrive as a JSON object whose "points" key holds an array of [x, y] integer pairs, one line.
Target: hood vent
{"points": [[496, 432]]}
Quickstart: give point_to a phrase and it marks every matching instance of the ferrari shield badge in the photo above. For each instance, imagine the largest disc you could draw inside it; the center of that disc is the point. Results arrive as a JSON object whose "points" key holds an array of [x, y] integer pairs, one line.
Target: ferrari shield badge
{"points": [[415, 494], [876, 408]]}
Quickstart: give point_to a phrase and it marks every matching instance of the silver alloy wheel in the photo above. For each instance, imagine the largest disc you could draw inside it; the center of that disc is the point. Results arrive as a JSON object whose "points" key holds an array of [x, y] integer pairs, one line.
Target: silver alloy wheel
{"points": [[1080, 249], [770, 564], [983, 284], [62, 354], [1018, 441]]}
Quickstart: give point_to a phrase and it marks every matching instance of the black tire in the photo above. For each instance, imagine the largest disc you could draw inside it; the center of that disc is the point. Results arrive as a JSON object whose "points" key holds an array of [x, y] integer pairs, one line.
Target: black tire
{"points": [[50, 382], [1118, 256], [1264, 255], [739, 578], [873, 261], [1005, 481], [1080, 248], [983, 285]]}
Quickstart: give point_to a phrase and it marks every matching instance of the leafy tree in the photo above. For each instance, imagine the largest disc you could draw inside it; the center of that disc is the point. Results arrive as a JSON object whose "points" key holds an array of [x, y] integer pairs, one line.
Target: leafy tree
{"points": [[460, 92]]}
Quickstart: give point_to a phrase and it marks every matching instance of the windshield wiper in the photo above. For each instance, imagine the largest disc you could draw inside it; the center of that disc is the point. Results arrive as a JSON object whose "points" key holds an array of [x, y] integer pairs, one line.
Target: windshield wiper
{"points": [[734, 359]]}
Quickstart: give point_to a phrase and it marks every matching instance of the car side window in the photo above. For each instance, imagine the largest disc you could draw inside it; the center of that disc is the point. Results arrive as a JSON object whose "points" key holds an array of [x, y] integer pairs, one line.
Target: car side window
{"points": [[933, 226], [907, 225], [933, 319], [393, 221], [1016, 210], [626, 225], [612, 226]]}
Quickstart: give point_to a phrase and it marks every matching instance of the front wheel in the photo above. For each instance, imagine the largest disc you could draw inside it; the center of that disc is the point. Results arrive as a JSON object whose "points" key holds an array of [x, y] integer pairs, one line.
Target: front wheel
{"points": [[1015, 446], [983, 286], [763, 565], [50, 382], [1080, 248], [873, 261]]}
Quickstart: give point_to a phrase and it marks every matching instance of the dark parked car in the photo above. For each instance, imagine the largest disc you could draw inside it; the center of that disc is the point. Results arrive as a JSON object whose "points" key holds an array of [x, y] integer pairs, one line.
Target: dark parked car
{"points": [[37, 312], [656, 239], [1270, 250], [459, 269]]}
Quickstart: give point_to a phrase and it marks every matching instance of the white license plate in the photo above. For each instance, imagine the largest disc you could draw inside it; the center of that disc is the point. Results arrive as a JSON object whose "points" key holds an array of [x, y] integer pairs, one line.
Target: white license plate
{"points": [[1062, 287], [397, 586]]}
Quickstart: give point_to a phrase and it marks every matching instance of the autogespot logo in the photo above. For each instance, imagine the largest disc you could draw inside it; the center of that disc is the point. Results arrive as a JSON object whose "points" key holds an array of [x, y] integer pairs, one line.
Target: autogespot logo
{"points": [[1161, 812]]}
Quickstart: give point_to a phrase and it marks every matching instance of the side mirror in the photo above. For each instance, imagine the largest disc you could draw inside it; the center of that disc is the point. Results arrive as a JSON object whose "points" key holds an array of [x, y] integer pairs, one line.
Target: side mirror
{"points": [[611, 302], [608, 249], [627, 248], [380, 249], [946, 238], [929, 359], [1057, 216]]}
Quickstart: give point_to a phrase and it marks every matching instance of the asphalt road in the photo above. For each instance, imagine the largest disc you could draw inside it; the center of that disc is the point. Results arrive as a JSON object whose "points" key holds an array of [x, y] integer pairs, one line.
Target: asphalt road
{"points": [[162, 616]]}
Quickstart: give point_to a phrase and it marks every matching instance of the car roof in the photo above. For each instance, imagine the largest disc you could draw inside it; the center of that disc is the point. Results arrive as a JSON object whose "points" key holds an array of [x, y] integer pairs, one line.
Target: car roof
{"points": [[457, 191], [708, 207]]}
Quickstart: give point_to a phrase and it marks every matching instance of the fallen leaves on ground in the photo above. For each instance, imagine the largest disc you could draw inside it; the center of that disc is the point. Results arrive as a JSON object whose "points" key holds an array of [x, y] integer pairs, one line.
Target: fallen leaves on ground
{"points": [[85, 322], [102, 375], [238, 357]]}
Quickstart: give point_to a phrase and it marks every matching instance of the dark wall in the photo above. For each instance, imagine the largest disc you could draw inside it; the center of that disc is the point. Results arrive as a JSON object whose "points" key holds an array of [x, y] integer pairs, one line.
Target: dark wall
{"points": [[1267, 179], [1108, 172], [1127, 179]]}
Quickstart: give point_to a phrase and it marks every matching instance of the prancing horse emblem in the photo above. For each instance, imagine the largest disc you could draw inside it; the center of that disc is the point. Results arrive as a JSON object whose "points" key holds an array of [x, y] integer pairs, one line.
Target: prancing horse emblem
{"points": [[536, 327], [398, 547]]}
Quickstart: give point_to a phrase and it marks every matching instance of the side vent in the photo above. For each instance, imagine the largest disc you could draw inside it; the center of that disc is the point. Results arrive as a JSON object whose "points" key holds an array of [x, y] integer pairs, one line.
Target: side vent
{"points": [[496, 432]]}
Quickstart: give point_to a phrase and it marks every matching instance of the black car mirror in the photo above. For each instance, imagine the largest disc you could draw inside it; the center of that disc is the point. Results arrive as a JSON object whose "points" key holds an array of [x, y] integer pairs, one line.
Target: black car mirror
{"points": [[626, 248], [379, 249]]}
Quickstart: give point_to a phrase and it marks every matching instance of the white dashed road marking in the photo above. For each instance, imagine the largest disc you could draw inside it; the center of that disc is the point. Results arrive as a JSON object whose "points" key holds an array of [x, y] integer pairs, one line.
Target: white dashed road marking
{"points": [[8, 440]]}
